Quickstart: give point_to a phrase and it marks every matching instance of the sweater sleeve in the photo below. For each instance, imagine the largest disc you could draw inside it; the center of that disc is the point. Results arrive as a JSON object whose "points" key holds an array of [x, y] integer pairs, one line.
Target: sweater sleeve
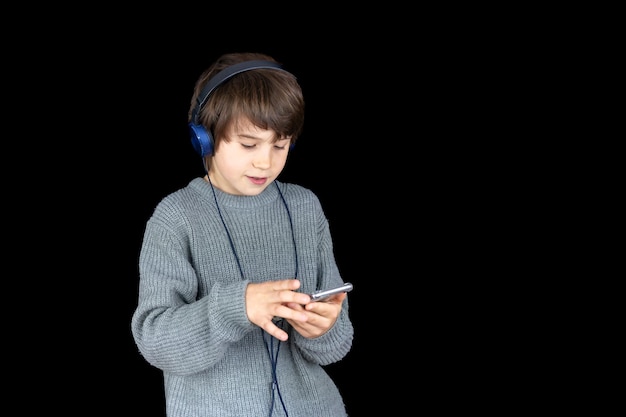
{"points": [[335, 344], [173, 330]]}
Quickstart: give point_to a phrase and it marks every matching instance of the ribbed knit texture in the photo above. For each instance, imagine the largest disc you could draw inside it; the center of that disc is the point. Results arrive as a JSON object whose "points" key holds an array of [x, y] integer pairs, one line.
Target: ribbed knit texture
{"points": [[191, 320]]}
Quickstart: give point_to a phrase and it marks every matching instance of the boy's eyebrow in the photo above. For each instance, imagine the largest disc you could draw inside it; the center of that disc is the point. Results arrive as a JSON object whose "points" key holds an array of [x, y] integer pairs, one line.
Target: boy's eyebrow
{"points": [[248, 136]]}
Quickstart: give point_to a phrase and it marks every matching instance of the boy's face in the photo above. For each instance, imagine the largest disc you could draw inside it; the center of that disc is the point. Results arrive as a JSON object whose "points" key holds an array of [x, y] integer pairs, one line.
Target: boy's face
{"points": [[247, 160]]}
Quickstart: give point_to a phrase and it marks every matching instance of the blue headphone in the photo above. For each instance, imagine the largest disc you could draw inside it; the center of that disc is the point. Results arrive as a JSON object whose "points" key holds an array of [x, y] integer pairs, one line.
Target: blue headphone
{"points": [[201, 139]]}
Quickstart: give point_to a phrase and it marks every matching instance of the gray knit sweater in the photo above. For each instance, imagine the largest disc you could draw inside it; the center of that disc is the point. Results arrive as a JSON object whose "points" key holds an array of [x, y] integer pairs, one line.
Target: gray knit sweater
{"points": [[191, 320]]}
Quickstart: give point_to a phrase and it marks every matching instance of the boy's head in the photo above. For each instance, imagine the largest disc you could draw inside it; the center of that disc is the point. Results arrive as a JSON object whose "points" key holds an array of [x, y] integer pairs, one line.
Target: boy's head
{"points": [[244, 86]]}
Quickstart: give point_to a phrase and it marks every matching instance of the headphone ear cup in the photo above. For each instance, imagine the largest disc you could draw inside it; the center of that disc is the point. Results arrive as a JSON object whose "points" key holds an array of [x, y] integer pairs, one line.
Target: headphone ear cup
{"points": [[201, 139]]}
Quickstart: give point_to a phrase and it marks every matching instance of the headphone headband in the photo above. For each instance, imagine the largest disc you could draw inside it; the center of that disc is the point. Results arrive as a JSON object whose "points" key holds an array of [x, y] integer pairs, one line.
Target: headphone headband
{"points": [[224, 75]]}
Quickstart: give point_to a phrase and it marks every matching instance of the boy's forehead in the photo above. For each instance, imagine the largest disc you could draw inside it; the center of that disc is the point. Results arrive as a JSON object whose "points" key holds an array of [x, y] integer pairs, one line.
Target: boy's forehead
{"points": [[244, 128]]}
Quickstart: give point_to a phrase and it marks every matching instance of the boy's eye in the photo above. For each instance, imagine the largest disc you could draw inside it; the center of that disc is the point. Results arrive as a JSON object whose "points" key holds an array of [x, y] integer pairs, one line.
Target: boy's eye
{"points": [[250, 146]]}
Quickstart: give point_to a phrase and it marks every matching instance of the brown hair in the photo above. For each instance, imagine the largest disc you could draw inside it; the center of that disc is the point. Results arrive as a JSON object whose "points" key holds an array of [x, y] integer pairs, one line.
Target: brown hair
{"points": [[270, 98]]}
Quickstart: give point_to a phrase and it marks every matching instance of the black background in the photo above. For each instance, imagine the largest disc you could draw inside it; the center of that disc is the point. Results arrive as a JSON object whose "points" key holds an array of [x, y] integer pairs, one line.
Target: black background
{"points": [[136, 150], [387, 147]]}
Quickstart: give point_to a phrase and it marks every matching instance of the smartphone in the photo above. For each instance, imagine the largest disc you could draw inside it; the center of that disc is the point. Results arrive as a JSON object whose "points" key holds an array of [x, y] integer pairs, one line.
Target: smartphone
{"points": [[324, 294]]}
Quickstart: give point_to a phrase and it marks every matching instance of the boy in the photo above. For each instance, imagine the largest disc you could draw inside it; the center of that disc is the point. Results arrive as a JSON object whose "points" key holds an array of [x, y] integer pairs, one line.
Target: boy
{"points": [[227, 262]]}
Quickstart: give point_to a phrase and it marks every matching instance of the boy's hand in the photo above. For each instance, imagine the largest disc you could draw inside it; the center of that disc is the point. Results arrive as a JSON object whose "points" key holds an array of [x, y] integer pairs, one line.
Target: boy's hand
{"points": [[266, 300]]}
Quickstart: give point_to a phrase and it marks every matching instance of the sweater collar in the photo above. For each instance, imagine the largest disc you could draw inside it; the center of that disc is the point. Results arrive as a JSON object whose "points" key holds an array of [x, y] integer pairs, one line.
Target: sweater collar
{"points": [[269, 195]]}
